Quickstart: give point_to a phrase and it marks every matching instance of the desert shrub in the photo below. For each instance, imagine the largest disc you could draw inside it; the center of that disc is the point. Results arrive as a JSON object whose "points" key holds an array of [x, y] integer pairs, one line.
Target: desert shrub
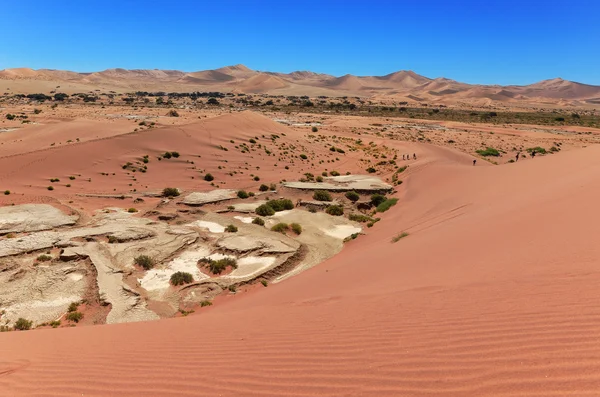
{"points": [[377, 199], [218, 266], [272, 187], [398, 237], [264, 283], [73, 307], [132, 210], [265, 210], [280, 204], [170, 192], [209, 177], [339, 150], [538, 150], [6, 192], [296, 228], [242, 194], [50, 188], [352, 196], [319, 179], [74, 316], [181, 278], [303, 156], [280, 227], [335, 210], [10, 116], [167, 155], [206, 303], [401, 169], [175, 154], [212, 101], [258, 221], [54, 324], [231, 229], [256, 178], [371, 170], [559, 119], [44, 258], [488, 152], [360, 218], [173, 113], [334, 173], [23, 324], [263, 188], [144, 261], [554, 149], [37, 111], [322, 195], [314, 129], [387, 204]]}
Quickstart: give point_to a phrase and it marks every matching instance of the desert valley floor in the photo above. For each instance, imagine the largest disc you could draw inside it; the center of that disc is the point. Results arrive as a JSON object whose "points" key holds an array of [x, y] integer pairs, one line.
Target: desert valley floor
{"points": [[330, 254]]}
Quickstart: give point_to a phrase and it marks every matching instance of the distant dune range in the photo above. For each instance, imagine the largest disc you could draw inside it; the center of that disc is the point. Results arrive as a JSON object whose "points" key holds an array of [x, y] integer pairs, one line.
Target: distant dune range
{"points": [[398, 86]]}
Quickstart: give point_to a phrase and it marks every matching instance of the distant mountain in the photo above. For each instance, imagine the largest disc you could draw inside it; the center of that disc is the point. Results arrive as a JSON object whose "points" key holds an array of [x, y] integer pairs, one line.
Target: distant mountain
{"points": [[401, 85]]}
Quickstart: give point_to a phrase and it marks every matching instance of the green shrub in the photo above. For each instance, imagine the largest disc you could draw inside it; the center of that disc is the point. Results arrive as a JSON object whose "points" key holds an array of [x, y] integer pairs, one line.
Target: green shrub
{"points": [[265, 210], [263, 188], [167, 155], [264, 283], [144, 261], [538, 150], [281, 204], [387, 204], [218, 266], [280, 228], [242, 194], [488, 152], [23, 324], [371, 170], [50, 187], [399, 237], [360, 218], [303, 156], [181, 278], [44, 258], [258, 221], [296, 228], [175, 154], [231, 229], [205, 303], [319, 179], [334, 173], [173, 113], [377, 199], [209, 178], [170, 192], [352, 196], [6, 192], [132, 210], [272, 187], [74, 316], [322, 195], [73, 307], [335, 210], [314, 129]]}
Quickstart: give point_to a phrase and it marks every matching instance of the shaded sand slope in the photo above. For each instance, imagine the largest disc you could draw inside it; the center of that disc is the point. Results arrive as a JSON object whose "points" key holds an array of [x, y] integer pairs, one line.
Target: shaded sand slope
{"points": [[493, 293]]}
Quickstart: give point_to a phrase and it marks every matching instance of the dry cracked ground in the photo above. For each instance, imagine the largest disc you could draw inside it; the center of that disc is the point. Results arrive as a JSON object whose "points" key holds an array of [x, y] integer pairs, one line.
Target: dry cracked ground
{"points": [[60, 268]]}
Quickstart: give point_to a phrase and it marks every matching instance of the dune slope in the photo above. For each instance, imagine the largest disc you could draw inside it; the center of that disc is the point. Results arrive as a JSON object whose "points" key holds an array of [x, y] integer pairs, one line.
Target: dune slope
{"points": [[493, 293]]}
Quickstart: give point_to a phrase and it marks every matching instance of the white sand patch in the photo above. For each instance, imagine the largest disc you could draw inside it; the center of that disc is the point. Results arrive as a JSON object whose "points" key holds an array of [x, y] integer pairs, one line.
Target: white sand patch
{"points": [[76, 276], [342, 231], [212, 227], [157, 279], [244, 219], [251, 265]]}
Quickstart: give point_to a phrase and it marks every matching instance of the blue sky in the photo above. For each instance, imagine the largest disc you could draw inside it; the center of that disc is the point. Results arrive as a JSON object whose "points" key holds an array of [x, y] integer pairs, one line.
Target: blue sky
{"points": [[486, 41]]}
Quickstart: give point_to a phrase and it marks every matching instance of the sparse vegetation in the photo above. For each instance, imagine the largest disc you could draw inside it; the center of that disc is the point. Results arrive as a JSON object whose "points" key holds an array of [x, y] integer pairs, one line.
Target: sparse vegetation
{"points": [[264, 283], [296, 228], [209, 178], [44, 258], [280, 227], [322, 195], [173, 113], [265, 210], [537, 149], [6, 192], [218, 266], [377, 199], [259, 221], [23, 324], [74, 316], [263, 188], [205, 303], [181, 278], [335, 210], [170, 192], [243, 194], [132, 210], [352, 196], [231, 229], [387, 204], [398, 237], [280, 205], [488, 152], [144, 261]]}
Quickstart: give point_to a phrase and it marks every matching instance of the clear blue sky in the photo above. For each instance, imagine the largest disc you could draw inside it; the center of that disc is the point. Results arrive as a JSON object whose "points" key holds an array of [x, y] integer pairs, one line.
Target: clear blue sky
{"points": [[485, 41]]}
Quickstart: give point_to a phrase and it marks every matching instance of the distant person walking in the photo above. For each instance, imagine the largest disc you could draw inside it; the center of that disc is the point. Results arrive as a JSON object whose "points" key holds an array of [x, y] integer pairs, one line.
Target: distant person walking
{"points": [[532, 153], [474, 161], [403, 157], [518, 154], [414, 156]]}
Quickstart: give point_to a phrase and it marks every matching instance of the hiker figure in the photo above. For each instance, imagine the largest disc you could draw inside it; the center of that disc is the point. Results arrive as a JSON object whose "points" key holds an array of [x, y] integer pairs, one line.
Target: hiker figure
{"points": [[532, 153], [403, 157], [414, 156], [518, 154], [474, 161]]}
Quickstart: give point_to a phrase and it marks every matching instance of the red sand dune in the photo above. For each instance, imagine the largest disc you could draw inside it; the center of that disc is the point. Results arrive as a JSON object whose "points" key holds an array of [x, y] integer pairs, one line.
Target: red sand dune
{"points": [[493, 293]]}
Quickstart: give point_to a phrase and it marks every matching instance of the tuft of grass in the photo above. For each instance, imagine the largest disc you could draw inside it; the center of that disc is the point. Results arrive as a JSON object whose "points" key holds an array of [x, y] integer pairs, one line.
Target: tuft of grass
{"points": [[170, 192], [387, 204], [488, 152], [231, 229], [6, 192], [144, 261], [537, 149], [23, 324], [73, 307], [218, 266], [399, 236], [264, 283], [258, 221], [181, 278], [132, 210], [265, 210], [74, 316], [335, 210], [360, 218], [209, 178], [205, 303], [352, 196], [296, 228], [322, 195], [44, 258], [50, 188], [280, 227], [243, 194]]}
